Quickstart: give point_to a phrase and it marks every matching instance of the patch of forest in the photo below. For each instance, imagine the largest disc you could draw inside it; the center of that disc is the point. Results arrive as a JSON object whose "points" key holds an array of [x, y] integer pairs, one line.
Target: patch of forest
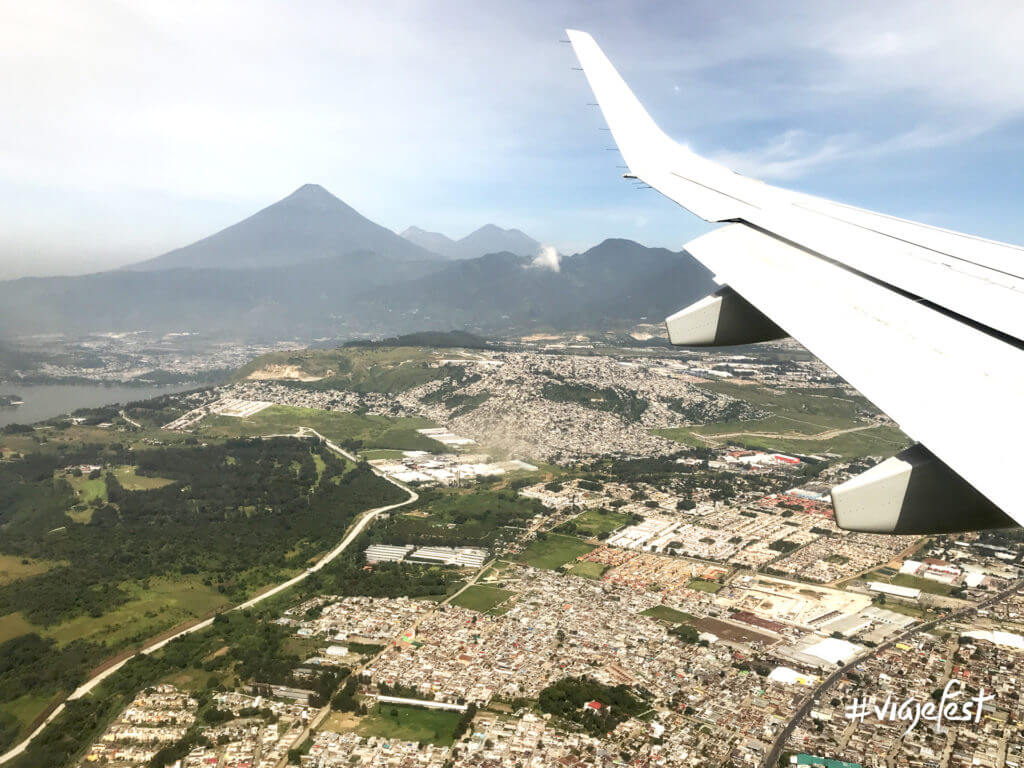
{"points": [[444, 518], [237, 515], [231, 508], [626, 405], [568, 698]]}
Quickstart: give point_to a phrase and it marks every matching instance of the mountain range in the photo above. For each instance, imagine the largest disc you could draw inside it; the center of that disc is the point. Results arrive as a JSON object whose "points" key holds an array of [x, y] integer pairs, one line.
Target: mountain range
{"points": [[490, 238], [310, 266], [310, 224]]}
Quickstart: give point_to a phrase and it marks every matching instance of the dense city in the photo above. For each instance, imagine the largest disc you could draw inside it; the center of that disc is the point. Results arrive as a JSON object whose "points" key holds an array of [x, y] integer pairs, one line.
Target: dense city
{"points": [[668, 587]]}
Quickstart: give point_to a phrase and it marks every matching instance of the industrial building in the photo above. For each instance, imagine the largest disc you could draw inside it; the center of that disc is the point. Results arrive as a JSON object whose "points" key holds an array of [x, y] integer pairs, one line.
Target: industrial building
{"points": [[907, 593], [463, 557], [386, 553]]}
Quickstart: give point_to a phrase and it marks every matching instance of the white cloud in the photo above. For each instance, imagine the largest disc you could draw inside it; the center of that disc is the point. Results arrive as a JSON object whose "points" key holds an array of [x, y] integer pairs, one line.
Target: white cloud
{"points": [[548, 258]]}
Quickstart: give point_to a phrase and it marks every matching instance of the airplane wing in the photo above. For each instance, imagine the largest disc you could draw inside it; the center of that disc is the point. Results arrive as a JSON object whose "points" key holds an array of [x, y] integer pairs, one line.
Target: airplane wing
{"points": [[925, 322]]}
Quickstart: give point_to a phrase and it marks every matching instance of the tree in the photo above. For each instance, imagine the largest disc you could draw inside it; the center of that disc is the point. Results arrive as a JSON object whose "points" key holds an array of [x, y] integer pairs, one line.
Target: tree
{"points": [[685, 632]]}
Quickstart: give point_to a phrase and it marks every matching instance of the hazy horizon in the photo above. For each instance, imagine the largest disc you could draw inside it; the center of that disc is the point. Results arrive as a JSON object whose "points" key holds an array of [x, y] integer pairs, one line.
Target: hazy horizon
{"points": [[144, 127]]}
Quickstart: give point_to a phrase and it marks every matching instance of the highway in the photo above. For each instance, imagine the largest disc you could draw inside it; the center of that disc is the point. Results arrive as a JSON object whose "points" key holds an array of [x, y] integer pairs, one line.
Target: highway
{"points": [[772, 758], [360, 525]]}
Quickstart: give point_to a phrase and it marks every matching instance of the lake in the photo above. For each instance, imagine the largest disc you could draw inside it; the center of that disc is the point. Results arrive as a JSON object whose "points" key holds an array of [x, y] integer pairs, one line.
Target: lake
{"points": [[44, 401]]}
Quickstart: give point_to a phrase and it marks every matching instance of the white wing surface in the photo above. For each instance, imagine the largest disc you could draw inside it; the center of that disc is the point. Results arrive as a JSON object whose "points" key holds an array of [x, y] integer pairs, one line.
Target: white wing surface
{"points": [[925, 322]]}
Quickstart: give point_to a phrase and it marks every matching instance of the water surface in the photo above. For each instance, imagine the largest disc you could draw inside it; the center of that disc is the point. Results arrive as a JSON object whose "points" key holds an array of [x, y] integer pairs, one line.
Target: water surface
{"points": [[44, 401]]}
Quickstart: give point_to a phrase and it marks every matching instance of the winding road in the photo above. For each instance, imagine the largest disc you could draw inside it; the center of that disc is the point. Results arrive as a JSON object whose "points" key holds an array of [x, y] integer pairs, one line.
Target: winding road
{"points": [[360, 525]]}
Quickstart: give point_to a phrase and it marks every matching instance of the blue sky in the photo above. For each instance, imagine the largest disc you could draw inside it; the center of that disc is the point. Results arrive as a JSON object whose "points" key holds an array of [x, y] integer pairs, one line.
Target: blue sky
{"points": [[137, 127]]}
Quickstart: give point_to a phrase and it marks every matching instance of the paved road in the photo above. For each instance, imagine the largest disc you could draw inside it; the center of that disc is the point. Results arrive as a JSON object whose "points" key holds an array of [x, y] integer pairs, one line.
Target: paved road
{"points": [[366, 518], [772, 759], [130, 420], [468, 584]]}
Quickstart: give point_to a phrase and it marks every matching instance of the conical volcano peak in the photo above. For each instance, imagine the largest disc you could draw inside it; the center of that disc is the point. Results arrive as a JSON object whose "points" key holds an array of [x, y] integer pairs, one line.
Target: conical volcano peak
{"points": [[308, 225], [314, 195]]}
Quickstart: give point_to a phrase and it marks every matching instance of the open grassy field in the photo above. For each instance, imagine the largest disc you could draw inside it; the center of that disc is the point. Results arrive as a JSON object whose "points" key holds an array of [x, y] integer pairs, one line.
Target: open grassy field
{"points": [[554, 551], [482, 598], [588, 570], [381, 453], [191, 679], [463, 516], [925, 585], [907, 610], [46, 438], [671, 615], [595, 521], [905, 580], [704, 586], [495, 572], [150, 611], [361, 369], [131, 482], [805, 410], [26, 709], [865, 442], [14, 625], [14, 567], [796, 417], [88, 489], [373, 431], [164, 604], [394, 721]]}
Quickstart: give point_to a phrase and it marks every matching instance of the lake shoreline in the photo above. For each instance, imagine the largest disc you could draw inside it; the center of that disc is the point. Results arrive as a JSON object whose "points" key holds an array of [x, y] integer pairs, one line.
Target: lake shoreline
{"points": [[46, 401]]}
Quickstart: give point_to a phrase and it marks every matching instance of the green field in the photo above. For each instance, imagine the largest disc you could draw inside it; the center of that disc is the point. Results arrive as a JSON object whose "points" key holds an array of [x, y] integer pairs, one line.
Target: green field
{"points": [[132, 482], [873, 441], [373, 431], [906, 580], [396, 721], [905, 609], [588, 570], [462, 517], [47, 438], [360, 369], [14, 567], [553, 552], [163, 604], [25, 709], [381, 453], [482, 598], [88, 490], [596, 521], [704, 586], [671, 615], [795, 415], [925, 585], [14, 625], [495, 572]]}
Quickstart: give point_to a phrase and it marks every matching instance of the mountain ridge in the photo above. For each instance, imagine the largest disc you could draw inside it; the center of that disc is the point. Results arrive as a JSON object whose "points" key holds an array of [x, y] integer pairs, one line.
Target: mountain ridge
{"points": [[311, 266], [490, 238], [307, 225], [614, 284]]}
